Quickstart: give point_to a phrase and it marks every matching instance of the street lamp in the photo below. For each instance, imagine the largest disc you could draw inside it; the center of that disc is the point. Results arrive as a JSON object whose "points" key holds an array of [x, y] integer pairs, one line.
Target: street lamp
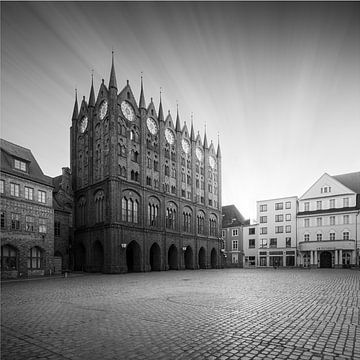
{"points": [[184, 248], [123, 246]]}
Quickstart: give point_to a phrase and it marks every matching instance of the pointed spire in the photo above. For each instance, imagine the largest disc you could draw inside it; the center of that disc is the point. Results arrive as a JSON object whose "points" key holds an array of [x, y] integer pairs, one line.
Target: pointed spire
{"points": [[92, 94], [205, 139], [218, 153], [112, 82], [192, 134], [142, 97], [161, 114], [177, 127], [76, 108]]}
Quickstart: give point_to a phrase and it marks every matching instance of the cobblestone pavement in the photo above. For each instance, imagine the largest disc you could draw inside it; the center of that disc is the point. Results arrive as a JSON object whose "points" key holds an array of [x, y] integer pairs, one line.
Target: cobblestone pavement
{"points": [[206, 314]]}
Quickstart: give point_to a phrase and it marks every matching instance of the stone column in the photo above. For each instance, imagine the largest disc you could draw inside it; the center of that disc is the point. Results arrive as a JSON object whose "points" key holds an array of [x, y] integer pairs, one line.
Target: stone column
{"points": [[311, 258], [340, 258], [316, 258], [336, 258]]}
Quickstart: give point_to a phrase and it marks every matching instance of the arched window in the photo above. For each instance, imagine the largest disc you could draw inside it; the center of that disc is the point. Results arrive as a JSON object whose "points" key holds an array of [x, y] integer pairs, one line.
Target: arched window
{"points": [[81, 209], [8, 258], [35, 258], [170, 219], [124, 209], [153, 212], [201, 223], [187, 220], [99, 206], [129, 210], [213, 225]]}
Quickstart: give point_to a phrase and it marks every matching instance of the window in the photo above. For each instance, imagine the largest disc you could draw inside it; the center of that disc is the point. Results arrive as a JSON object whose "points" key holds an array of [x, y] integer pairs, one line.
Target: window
{"points": [[156, 165], [251, 243], [29, 193], [20, 165], [306, 222], [279, 229], [2, 221], [288, 205], [306, 206], [15, 221], [213, 226], [346, 235], [42, 196], [319, 221], [332, 203], [8, 258], [332, 236], [251, 231], [288, 242], [2, 186], [29, 223], [319, 205], [288, 217], [288, 228], [99, 201], [42, 226], [153, 212], [263, 208], [273, 243], [332, 220], [187, 221], [35, 258], [14, 189], [263, 219], [200, 223], [346, 219], [223, 233], [279, 206], [279, 218], [234, 244], [263, 243], [134, 156], [319, 237], [57, 228], [263, 230], [234, 232], [306, 237], [345, 202]]}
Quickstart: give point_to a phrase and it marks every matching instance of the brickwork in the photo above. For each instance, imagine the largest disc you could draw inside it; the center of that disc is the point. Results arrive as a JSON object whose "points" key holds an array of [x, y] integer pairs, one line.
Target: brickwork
{"points": [[275, 314]]}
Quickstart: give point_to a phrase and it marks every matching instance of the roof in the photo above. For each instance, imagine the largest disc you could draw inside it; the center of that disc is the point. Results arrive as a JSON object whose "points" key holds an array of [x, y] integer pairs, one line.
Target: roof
{"points": [[9, 151], [351, 181], [231, 216]]}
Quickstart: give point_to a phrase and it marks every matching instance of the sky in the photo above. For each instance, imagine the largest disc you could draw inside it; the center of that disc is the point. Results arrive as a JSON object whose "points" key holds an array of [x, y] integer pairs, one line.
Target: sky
{"points": [[279, 82]]}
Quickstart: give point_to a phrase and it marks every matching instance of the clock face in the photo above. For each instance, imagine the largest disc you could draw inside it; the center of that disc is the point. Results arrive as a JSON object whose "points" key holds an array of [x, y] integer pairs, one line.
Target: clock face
{"points": [[83, 124], [103, 109], [127, 110], [152, 126], [169, 136], [185, 145], [212, 161], [199, 153]]}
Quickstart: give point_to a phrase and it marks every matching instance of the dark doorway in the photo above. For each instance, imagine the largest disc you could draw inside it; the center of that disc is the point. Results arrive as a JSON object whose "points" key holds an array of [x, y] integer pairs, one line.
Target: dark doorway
{"points": [[80, 258], [188, 258], [133, 257], [98, 257], [325, 259], [213, 259], [172, 258], [202, 258], [155, 257]]}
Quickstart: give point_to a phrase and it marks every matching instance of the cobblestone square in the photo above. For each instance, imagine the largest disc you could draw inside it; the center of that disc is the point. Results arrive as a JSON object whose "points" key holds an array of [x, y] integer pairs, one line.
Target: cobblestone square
{"points": [[204, 314]]}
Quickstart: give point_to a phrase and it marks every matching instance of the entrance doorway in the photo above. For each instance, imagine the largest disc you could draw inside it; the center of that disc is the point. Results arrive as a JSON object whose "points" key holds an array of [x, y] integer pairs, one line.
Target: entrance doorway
{"points": [[155, 257], [325, 259], [80, 258], [98, 257], [133, 257], [188, 257], [213, 259], [172, 258], [202, 258]]}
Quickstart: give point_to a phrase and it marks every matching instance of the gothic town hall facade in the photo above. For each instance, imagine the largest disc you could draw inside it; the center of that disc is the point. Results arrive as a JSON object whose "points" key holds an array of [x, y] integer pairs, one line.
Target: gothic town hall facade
{"points": [[147, 191]]}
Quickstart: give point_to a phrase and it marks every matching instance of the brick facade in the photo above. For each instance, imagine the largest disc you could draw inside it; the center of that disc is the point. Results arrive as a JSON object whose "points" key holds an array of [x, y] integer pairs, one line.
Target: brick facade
{"points": [[147, 192]]}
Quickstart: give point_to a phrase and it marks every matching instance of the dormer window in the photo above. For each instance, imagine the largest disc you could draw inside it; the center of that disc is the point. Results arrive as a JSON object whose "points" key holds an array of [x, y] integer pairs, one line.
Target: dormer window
{"points": [[20, 165]]}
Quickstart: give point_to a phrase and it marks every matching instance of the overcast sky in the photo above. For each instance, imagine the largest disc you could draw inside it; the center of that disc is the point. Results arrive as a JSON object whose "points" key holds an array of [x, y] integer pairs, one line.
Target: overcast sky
{"points": [[280, 82]]}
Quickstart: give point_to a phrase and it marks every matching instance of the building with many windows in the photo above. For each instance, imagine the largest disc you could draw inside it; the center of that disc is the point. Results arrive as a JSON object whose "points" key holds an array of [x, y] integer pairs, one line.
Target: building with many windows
{"points": [[27, 215], [277, 232], [147, 190], [232, 236], [251, 245], [328, 224]]}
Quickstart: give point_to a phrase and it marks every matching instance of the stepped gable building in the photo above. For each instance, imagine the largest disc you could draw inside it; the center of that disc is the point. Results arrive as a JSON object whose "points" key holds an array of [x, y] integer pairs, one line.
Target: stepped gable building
{"points": [[147, 191], [27, 215], [328, 222]]}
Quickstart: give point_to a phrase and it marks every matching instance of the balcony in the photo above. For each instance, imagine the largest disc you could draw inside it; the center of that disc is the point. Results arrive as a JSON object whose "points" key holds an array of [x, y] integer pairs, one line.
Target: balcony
{"points": [[327, 245]]}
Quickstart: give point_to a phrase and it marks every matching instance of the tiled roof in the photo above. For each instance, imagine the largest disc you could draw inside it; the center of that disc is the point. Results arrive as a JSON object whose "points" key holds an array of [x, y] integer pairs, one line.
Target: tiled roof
{"points": [[231, 216], [351, 180], [9, 151]]}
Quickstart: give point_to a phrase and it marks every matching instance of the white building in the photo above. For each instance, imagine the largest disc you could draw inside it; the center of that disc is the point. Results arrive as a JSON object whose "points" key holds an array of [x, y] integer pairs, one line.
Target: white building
{"points": [[277, 232], [251, 245], [328, 224]]}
